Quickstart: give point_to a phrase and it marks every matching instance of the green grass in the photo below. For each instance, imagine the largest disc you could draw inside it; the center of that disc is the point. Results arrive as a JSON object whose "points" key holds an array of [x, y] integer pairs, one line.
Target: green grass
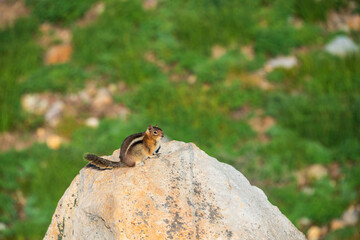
{"points": [[117, 42], [290, 152], [33, 173], [312, 10], [315, 105], [213, 22], [282, 39], [328, 109], [193, 110], [20, 55], [351, 233], [58, 78], [324, 203], [64, 11]]}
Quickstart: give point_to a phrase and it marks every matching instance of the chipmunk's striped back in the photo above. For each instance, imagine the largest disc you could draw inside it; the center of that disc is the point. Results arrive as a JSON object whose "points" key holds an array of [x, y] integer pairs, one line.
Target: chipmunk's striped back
{"points": [[130, 141]]}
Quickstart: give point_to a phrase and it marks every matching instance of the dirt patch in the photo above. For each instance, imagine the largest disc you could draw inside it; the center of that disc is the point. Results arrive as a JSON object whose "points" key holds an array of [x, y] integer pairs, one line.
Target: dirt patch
{"points": [[15, 140], [92, 14], [261, 124], [11, 10]]}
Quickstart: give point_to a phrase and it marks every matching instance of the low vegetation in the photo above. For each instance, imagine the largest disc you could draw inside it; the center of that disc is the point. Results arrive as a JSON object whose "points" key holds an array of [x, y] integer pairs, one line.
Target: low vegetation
{"points": [[165, 57]]}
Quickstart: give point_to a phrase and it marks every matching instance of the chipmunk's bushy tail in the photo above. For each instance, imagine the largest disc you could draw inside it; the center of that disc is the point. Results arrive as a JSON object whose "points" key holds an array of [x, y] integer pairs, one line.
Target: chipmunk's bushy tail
{"points": [[102, 162]]}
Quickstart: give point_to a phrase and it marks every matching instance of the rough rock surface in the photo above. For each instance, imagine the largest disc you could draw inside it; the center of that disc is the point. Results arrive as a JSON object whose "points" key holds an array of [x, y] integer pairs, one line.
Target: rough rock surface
{"points": [[183, 194]]}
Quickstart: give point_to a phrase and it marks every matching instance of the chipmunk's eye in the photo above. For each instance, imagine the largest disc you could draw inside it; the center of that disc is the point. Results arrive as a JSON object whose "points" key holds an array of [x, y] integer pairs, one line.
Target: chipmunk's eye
{"points": [[155, 132]]}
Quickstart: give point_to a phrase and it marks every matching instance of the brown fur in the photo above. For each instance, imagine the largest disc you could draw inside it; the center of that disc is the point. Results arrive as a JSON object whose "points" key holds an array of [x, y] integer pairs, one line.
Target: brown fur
{"points": [[102, 162], [133, 150]]}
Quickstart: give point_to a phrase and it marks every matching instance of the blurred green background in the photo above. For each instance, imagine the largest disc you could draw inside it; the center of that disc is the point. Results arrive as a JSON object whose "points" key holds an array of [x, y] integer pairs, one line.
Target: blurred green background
{"points": [[250, 82]]}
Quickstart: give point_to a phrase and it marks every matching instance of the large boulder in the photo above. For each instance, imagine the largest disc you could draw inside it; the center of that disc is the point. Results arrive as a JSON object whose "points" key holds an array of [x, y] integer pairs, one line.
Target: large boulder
{"points": [[182, 194]]}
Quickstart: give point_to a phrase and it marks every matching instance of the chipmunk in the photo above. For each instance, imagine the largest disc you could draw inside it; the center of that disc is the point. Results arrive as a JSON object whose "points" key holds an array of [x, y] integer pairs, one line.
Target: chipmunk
{"points": [[134, 149]]}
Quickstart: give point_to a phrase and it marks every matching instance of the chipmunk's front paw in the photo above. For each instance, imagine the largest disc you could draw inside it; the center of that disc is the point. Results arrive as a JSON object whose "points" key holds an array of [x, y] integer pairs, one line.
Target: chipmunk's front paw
{"points": [[142, 163], [154, 155]]}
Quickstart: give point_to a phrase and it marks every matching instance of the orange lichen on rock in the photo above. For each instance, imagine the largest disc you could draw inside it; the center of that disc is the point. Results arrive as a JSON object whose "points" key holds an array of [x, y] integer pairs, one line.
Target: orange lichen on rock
{"points": [[183, 194]]}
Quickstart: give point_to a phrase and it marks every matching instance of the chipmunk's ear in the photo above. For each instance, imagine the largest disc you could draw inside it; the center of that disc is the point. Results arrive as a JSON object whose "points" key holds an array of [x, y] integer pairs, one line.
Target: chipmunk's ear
{"points": [[156, 125], [150, 127]]}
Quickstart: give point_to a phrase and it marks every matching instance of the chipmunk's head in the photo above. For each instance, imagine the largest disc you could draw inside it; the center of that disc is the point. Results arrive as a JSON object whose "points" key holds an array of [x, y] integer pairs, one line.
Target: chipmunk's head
{"points": [[155, 132]]}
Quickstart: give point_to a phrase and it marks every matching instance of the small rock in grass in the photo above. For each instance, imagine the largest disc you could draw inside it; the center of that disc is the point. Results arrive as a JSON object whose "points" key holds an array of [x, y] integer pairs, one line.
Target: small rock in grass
{"points": [[41, 134], [91, 89], [54, 113], [112, 88], [248, 51], [92, 14], [84, 96], [335, 171], [281, 62], [10, 11], [301, 178], [150, 4], [123, 112], [58, 54], [192, 79], [354, 22], [304, 222], [217, 51], [337, 224], [92, 122], [103, 98], [316, 171], [314, 233], [261, 124], [341, 46], [308, 190], [2, 226], [54, 142], [34, 103], [351, 216]]}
